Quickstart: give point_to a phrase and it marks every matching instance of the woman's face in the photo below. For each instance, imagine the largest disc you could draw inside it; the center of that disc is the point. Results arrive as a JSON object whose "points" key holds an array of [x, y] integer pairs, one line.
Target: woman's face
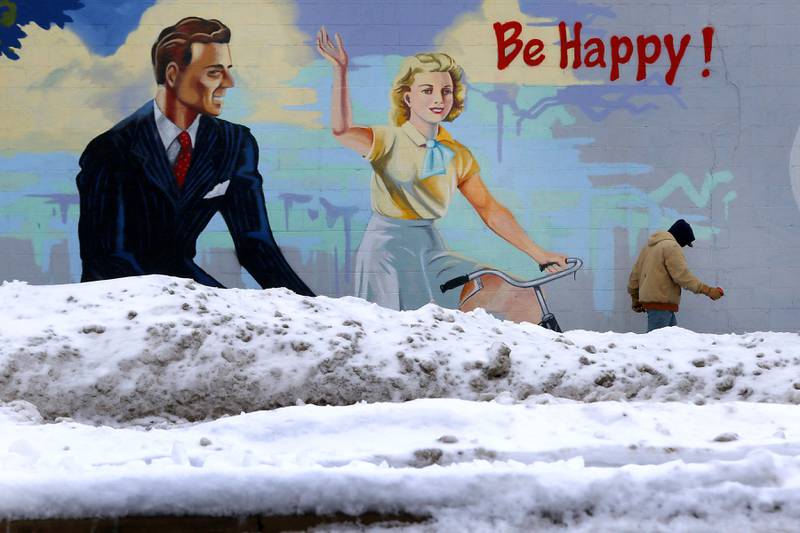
{"points": [[431, 96]]}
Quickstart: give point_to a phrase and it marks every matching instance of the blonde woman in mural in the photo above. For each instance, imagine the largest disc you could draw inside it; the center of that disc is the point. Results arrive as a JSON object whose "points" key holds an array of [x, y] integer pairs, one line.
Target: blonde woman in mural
{"points": [[417, 167]]}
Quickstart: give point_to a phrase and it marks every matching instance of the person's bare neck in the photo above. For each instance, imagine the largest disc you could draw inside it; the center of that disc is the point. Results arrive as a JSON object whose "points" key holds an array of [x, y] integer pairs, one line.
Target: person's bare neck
{"points": [[173, 109], [425, 128]]}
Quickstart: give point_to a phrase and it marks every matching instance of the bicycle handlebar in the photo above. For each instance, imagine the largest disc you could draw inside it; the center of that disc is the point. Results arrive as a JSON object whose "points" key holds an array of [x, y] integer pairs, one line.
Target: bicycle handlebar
{"points": [[575, 262]]}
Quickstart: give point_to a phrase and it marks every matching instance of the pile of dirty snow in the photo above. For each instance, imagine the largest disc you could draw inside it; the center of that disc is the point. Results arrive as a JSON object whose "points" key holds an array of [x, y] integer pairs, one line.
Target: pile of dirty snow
{"points": [[155, 348]]}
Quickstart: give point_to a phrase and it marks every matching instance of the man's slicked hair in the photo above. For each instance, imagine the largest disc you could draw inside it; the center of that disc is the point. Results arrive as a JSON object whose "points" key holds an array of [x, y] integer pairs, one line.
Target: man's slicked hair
{"points": [[175, 42]]}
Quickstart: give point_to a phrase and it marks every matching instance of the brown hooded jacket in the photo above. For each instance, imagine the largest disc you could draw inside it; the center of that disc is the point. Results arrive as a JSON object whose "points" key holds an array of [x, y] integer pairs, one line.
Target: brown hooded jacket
{"points": [[660, 272]]}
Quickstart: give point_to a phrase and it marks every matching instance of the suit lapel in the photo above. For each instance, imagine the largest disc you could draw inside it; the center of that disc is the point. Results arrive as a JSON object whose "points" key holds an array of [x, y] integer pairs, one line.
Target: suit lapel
{"points": [[148, 148], [204, 168]]}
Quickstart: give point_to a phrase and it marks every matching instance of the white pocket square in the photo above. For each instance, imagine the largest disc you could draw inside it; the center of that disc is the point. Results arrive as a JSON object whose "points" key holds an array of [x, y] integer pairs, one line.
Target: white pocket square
{"points": [[218, 190]]}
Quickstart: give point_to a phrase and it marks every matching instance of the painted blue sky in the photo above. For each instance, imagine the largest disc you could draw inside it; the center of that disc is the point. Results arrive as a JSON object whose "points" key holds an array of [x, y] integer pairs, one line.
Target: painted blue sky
{"points": [[105, 24]]}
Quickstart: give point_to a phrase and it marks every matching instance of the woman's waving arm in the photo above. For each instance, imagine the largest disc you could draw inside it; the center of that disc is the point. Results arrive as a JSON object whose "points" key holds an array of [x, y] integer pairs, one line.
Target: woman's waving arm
{"points": [[357, 138]]}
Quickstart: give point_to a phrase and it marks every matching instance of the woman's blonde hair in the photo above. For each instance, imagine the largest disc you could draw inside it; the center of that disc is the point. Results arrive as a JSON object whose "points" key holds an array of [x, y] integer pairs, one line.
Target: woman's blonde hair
{"points": [[413, 65]]}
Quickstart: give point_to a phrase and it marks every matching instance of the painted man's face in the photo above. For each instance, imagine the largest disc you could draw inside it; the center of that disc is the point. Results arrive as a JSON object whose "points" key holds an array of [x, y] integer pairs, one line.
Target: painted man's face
{"points": [[431, 96], [201, 85]]}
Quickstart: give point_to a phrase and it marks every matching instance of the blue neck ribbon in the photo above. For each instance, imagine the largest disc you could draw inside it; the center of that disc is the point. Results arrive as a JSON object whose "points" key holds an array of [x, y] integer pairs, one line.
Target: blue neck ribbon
{"points": [[437, 157]]}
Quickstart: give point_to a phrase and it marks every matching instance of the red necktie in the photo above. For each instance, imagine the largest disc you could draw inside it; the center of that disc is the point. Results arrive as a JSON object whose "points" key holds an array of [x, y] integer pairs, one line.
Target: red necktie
{"points": [[184, 158]]}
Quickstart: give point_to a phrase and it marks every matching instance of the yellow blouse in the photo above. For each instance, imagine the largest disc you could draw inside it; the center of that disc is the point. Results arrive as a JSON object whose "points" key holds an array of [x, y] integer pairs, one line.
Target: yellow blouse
{"points": [[397, 155]]}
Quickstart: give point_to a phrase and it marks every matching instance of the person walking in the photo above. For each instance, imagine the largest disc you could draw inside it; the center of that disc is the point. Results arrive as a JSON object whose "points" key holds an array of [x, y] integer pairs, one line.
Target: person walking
{"points": [[659, 274]]}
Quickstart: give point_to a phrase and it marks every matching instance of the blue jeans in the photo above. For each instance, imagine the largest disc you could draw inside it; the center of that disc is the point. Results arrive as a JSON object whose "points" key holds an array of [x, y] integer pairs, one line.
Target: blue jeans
{"points": [[660, 319]]}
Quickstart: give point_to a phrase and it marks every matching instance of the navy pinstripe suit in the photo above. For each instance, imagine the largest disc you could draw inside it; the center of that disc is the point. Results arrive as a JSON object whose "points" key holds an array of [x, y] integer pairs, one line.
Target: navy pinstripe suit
{"points": [[134, 220]]}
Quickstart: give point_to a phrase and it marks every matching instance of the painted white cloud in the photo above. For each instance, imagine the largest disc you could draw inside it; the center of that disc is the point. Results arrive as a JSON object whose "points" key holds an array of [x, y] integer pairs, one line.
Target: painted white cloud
{"points": [[60, 95], [471, 41]]}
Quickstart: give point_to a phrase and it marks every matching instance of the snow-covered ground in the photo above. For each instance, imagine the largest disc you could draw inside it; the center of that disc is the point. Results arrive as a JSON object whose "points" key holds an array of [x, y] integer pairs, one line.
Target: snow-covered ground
{"points": [[124, 398]]}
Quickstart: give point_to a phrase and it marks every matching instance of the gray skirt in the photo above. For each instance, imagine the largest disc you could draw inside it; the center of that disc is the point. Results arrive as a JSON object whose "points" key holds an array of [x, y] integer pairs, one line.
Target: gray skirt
{"points": [[400, 264]]}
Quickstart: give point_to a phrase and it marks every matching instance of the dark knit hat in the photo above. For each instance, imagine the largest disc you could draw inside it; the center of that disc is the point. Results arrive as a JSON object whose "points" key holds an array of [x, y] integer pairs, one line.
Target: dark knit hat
{"points": [[682, 232]]}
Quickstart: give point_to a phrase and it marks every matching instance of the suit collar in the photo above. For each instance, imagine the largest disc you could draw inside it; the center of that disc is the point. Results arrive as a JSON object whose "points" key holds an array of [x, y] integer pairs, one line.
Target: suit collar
{"points": [[168, 131], [147, 146]]}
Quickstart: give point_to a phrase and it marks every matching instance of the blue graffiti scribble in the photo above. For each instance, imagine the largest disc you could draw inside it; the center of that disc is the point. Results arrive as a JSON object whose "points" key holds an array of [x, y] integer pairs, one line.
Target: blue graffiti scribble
{"points": [[597, 102], [289, 199], [17, 13], [63, 201], [332, 214]]}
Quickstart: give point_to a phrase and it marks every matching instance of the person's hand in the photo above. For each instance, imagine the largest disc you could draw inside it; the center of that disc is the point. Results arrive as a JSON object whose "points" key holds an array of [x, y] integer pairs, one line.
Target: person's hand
{"points": [[715, 293], [553, 262], [334, 53], [637, 306]]}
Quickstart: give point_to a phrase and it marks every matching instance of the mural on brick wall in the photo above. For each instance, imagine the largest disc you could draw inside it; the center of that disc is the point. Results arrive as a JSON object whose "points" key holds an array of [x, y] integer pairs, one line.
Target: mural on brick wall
{"points": [[141, 212], [586, 167]]}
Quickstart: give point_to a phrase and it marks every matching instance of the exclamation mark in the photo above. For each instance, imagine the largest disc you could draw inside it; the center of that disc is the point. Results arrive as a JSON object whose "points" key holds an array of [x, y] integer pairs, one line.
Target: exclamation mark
{"points": [[708, 35]]}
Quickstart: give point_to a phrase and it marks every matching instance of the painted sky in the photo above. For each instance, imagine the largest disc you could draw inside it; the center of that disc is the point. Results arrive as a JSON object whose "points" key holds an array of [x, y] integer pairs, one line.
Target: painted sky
{"points": [[104, 25]]}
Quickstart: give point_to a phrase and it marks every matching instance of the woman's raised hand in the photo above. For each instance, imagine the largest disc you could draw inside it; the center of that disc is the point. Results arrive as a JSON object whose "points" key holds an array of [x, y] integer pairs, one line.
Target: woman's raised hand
{"points": [[332, 52]]}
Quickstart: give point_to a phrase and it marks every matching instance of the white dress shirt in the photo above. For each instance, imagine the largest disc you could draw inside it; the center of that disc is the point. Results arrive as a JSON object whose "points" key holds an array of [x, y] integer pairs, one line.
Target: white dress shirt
{"points": [[169, 132]]}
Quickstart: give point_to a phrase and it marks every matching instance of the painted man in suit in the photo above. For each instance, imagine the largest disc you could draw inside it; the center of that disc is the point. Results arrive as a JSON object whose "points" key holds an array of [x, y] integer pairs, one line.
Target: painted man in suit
{"points": [[150, 185]]}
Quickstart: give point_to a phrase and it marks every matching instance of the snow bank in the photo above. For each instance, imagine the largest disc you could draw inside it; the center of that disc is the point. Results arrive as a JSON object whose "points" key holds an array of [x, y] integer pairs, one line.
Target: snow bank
{"points": [[159, 347], [461, 463]]}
